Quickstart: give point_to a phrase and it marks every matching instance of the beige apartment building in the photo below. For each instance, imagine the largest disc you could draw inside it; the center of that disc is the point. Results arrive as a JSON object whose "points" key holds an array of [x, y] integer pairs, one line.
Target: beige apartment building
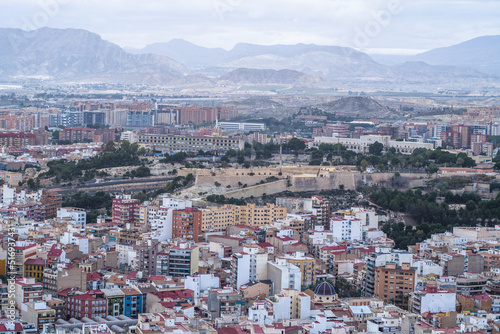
{"points": [[253, 215], [217, 219]]}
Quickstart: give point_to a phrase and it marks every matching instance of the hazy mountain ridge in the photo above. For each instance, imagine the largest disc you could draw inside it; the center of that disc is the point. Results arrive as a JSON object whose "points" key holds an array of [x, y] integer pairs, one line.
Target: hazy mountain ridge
{"points": [[184, 52], [481, 53], [72, 53], [79, 55], [337, 64]]}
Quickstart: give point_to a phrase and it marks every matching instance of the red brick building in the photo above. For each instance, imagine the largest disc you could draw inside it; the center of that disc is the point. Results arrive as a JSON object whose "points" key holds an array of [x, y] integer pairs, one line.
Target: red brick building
{"points": [[125, 209], [186, 224], [52, 201], [104, 136], [77, 134], [31, 211], [88, 305], [16, 139], [459, 136]]}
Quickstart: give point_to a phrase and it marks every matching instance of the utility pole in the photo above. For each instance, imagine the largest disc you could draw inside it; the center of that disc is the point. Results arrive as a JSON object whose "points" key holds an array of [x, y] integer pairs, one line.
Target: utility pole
{"points": [[213, 157], [281, 156]]}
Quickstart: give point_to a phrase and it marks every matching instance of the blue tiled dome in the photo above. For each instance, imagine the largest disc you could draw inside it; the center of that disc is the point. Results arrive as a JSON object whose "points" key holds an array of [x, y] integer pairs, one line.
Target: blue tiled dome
{"points": [[325, 289]]}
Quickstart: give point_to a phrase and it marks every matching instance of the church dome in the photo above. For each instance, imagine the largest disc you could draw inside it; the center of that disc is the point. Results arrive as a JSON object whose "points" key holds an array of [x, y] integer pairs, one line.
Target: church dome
{"points": [[325, 289]]}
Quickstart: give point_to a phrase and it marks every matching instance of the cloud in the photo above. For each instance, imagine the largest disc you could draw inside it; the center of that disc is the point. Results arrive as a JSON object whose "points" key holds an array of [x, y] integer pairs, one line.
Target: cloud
{"points": [[417, 24]]}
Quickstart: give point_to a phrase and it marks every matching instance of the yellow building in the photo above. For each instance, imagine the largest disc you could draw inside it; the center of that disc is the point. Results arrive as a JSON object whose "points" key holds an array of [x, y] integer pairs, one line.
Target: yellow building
{"points": [[307, 265], [11, 178], [217, 219], [22, 253], [253, 215], [34, 268]]}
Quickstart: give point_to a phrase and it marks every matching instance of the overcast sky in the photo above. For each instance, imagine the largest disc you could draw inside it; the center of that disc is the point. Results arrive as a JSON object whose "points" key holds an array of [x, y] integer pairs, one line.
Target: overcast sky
{"points": [[376, 26]]}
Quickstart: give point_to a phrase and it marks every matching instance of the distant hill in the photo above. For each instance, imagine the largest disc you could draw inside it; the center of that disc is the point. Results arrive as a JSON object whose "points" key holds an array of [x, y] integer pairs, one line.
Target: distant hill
{"points": [[357, 106], [423, 73], [75, 54], [243, 76], [185, 53], [481, 53]]}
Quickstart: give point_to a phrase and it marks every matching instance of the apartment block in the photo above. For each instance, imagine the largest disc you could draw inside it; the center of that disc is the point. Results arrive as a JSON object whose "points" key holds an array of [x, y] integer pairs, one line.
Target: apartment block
{"points": [[125, 209], [186, 224], [182, 260], [173, 143], [217, 219], [432, 300], [306, 264], [17, 139], [284, 275], [253, 215], [394, 283]]}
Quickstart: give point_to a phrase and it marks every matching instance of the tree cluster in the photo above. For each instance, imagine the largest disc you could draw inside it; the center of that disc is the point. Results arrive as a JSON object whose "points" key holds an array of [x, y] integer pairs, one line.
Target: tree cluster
{"points": [[433, 217], [221, 199], [112, 155]]}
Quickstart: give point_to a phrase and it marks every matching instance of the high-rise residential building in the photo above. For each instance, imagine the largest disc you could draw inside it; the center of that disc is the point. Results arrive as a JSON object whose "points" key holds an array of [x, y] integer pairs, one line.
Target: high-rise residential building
{"points": [[379, 257], [186, 224], [346, 228], [459, 136], [253, 215], [52, 202], [27, 290], [240, 269], [17, 139], [306, 264], [77, 134], [217, 218], [125, 209], [394, 283], [146, 257], [179, 261], [284, 275], [140, 118], [94, 117], [66, 118]]}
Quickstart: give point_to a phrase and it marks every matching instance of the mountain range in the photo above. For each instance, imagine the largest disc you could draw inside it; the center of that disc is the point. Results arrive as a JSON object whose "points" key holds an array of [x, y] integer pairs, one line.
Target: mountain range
{"points": [[481, 53], [74, 55]]}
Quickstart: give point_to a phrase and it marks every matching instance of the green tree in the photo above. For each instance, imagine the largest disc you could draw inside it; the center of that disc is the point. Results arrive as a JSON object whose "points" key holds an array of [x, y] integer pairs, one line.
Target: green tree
{"points": [[296, 145], [376, 148]]}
